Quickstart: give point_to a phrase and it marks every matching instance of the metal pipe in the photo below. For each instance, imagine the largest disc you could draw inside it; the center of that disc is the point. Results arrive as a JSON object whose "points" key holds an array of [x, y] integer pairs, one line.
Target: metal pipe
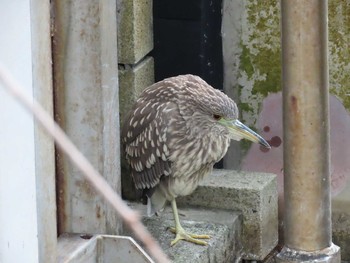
{"points": [[306, 131]]}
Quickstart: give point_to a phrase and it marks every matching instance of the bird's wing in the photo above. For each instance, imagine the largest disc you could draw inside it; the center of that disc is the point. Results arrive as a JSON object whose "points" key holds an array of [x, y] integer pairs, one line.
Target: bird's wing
{"points": [[145, 143]]}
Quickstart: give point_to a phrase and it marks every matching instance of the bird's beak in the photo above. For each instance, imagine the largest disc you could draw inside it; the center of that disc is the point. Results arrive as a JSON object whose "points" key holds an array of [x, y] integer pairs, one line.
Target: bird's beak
{"points": [[240, 131]]}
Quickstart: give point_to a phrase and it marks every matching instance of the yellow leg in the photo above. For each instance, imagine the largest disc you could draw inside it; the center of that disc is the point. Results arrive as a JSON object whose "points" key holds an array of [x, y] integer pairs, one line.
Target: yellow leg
{"points": [[181, 233]]}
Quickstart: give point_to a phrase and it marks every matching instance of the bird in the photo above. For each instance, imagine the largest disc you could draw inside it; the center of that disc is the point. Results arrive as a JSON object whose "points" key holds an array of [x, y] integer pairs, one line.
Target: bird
{"points": [[175, 132]]}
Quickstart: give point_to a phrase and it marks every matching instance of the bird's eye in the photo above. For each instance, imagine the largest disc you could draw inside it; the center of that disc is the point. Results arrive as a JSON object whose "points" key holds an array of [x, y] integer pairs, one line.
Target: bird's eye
{"points": [[217, 117]]}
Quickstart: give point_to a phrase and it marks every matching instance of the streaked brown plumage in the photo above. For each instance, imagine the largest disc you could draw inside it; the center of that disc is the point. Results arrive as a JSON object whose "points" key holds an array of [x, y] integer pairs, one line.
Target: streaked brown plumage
{"points": [[174, 134]]}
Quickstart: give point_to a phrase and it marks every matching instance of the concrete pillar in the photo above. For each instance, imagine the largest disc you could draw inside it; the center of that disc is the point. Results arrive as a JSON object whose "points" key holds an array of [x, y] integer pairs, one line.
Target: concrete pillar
{"points": [[306, 134], [87, 108]]}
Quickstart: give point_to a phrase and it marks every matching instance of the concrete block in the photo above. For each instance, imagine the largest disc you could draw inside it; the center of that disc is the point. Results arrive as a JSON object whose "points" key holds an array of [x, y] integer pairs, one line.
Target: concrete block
{"points": [[255, 195], [135, 30], [223, 226], [132, 81]]}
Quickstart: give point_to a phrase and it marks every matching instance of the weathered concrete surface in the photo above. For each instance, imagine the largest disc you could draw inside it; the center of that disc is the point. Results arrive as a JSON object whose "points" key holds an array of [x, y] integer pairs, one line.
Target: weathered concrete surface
{"points": [[133, 79], [255, 195], [223, 226], [251, 46], [252, 52], [341, 222], [86, 107], [135, 30]]}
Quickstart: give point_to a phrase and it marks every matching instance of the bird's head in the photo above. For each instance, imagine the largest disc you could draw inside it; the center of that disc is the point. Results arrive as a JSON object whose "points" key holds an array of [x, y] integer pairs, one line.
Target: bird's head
{"points": [[226, 117], [216, 112], [237, 131]]}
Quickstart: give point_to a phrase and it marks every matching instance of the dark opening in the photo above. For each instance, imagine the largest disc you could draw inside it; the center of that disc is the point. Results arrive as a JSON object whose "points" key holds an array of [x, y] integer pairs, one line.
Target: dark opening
{"points": [[187, 39]]}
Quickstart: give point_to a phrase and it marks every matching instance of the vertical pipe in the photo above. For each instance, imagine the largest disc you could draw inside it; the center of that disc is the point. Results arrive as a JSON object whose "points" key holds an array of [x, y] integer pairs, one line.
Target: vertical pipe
{"points": [[306, 128]]}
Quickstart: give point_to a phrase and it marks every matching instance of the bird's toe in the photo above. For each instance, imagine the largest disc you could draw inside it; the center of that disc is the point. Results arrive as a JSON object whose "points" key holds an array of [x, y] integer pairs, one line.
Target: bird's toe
{"points": [[181, 234]]}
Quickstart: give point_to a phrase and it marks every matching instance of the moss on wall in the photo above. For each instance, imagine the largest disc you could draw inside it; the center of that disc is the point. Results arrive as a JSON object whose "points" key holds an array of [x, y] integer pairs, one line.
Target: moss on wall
{"points": [[260, 63], [260, 60], [339, 50], [259, 71]]}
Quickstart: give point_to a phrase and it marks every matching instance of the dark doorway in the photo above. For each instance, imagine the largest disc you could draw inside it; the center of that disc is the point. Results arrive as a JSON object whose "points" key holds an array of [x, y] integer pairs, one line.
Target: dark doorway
{"points": [[187, 39]]}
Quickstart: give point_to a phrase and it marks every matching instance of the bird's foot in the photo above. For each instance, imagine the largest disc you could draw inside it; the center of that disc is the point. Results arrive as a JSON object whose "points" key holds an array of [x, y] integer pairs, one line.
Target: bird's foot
{"points": [[181, 234]]}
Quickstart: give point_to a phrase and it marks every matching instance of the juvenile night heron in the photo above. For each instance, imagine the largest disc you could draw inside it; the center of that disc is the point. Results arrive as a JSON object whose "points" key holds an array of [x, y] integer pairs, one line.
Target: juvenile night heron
{"points": [[174, 134]]}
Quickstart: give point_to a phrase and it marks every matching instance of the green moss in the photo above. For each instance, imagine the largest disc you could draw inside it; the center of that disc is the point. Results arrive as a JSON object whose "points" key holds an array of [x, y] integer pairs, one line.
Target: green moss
{"points": [[245, 62], [245, 107], [344, 96], [339, 50], [268, 63], [245, 146], [260, 60]]}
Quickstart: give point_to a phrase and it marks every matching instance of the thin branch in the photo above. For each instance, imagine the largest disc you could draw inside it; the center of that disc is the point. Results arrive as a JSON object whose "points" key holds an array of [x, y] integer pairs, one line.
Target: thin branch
{"points": [[131, 217]]}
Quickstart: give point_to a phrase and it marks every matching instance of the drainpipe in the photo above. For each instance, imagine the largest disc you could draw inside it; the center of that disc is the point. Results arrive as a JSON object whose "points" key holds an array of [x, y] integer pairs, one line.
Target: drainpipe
{"points": [[307, 215]]}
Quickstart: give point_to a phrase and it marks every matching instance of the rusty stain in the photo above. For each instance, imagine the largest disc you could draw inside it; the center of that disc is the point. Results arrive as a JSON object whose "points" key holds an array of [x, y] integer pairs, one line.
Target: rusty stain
{"points": [[61, 185], [85, 187], [275, 141], [266, 129], [58, 50], [64, 31], [295, 118], [61, 26], [263, 149], [294, 103], [98, 211]]}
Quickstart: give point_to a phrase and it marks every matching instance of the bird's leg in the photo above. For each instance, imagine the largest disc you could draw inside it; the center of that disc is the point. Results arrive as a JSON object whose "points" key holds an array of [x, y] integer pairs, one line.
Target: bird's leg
{"points": [[181, 233]]}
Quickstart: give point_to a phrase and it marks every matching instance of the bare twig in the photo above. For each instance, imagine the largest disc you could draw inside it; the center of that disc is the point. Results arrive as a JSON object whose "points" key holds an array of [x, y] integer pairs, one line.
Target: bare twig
{"points": [[128, 215]]}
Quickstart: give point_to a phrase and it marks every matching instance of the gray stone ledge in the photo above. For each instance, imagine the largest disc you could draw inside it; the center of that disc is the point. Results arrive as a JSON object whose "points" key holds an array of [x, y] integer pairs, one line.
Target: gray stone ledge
{"points": [[223, 227], [254, 195]]}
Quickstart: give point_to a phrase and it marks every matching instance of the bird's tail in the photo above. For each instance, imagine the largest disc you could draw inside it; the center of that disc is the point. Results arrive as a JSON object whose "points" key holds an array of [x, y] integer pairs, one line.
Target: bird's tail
{"points": [[156, 203]]}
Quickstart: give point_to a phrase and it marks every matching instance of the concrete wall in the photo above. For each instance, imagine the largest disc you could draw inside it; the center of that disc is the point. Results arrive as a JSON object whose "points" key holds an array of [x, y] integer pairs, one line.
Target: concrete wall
{"points": [[135, 41], [252, 56], [27, 182]]}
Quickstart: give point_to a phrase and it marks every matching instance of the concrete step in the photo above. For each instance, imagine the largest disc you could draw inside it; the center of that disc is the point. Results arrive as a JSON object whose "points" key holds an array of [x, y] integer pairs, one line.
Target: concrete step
{"points": [[223, 226], [252, 194], [239, 209]]}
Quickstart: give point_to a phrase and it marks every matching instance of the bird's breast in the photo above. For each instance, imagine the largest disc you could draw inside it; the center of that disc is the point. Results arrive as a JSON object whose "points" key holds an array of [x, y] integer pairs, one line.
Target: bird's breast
{"points": [[192, 158]]}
